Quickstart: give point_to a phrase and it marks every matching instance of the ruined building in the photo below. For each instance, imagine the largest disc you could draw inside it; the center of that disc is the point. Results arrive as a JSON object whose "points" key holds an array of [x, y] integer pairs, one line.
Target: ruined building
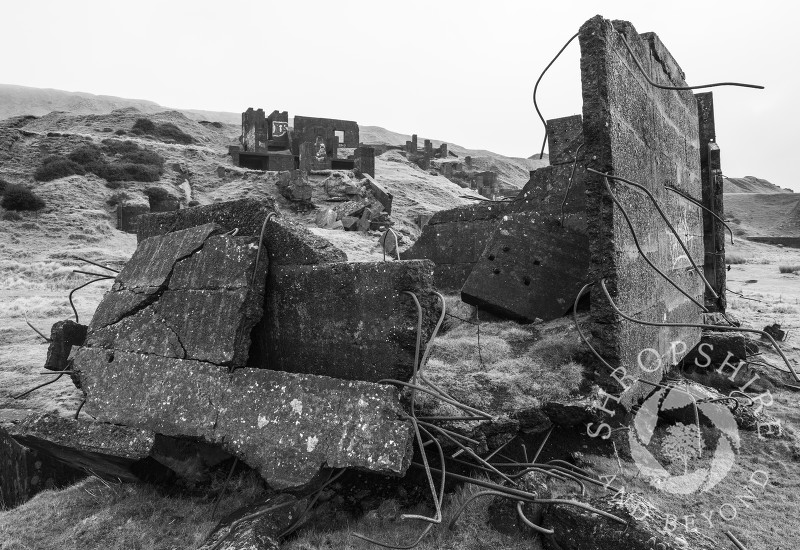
{"points": [[269, 143]]}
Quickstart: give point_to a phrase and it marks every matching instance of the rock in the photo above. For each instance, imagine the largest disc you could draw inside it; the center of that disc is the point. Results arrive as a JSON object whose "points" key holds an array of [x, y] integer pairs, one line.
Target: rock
{"points": [[24, 472], [350, 223], [326, 218], [337, 184], [297, 188], [503, 516], [364, 328], [257, 527], [63, 335], [775, 331], [390, 243], [287, 426], [102, 449]]}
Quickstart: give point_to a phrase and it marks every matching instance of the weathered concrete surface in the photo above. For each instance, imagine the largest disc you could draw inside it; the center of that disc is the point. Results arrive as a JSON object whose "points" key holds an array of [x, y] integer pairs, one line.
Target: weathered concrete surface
{"points": [[454, 240], [532, 268], [262, 532], [106, 450], [189, 294], [564, 139], [536, 261], [63, 335], [348, 320], [713, 231], [649, 136], [285, 425], [245, 214], [24, 472]]}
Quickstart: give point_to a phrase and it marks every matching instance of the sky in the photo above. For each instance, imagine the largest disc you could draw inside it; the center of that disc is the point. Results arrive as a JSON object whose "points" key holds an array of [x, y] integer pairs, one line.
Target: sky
{"points": [[458, 71]]}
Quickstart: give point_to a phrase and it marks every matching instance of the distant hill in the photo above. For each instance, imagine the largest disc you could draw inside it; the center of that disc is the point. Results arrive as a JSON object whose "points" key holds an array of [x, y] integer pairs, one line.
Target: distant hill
{"points": [[751, 184], [24, 100]]}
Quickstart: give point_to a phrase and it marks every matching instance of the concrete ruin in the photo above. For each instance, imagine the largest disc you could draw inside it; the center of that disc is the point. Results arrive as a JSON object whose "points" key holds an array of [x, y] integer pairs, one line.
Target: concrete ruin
{"points": [[269, 143], [180, 350], [563, 230]]}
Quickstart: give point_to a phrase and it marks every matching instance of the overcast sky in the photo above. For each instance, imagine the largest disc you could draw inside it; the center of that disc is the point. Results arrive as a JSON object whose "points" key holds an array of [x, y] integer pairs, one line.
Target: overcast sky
{"points": [[461, 71]]}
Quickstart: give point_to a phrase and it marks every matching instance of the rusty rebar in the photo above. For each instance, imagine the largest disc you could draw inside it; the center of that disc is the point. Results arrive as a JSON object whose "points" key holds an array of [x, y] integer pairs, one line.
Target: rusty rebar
{"points": [[78, 412], [735, 541], [701, 326], [453, 402], [396, 243], [93, 274], [536, 88], [679, 88], [36, 330], [96, 264], [467, 502], [663, 217], [261, 244], [23, 394], [639, 247], [72, 304], [569, 183], [529, 523], [701, 205]]}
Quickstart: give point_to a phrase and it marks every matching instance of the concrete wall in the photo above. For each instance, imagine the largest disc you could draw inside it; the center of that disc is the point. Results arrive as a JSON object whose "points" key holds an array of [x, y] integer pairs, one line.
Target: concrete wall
{"points": [[650, 136], [306, 129]]}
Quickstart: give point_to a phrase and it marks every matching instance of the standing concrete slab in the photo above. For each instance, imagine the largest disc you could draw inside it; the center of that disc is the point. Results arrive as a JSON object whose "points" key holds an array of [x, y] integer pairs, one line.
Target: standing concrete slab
{"points": [[713, 231], [650, 136], [349, 320], [287, 426], [454, 240], [564, 139]]}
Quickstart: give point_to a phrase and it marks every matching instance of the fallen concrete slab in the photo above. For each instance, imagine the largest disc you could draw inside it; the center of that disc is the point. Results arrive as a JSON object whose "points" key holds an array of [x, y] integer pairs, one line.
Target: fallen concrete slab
{"points": [[105, 450], [538, 257], [454, 240], [287, 426], [348, 320], [193, 294], [63, 335], [25, 472]]}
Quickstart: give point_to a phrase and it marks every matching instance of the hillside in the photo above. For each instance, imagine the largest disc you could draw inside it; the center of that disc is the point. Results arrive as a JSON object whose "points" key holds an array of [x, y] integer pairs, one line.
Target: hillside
{"points": [[751, 184]]}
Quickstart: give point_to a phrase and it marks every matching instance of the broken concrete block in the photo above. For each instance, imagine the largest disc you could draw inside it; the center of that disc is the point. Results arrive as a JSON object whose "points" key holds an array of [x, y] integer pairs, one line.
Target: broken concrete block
{"points": [[63, 335], [454, 240], [380, 193], [532, 268], [348, 320], [652, 138], [775, 331], [203, 297], [326, 218], [192, 460], [564, 139], [24, 472], [297, 188], [102, 449], [128, 215], [246, 215], [285, 425], [350, 223]]}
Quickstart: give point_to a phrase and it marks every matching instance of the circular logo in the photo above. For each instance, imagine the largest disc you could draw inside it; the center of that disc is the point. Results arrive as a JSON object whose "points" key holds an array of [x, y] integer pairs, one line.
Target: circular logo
{"points": [[682, 444]]}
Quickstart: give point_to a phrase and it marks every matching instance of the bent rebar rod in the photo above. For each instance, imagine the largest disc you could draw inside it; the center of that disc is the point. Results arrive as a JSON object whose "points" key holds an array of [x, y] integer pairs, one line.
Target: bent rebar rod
{"points": [[536, 88], [701, 326], [261, 244], [23, 394], [663, 87], [569, 183], [96, 264], [71, 303], [666, 220], [529, 523], [701, 205], [36, 330], [639, 247]]}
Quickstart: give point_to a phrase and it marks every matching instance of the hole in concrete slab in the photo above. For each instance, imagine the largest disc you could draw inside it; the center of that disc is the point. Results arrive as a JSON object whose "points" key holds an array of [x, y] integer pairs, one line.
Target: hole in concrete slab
{"points": [[497, 272], [491, 257], [537, 262], [109, 356], [506, 248], [526, 280]]}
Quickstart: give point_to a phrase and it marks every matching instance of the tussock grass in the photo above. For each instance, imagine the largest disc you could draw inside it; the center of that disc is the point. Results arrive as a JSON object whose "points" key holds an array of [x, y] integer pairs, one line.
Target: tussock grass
{"points": [[471, 532], [97, 514], [734, 259], [794, 269]]}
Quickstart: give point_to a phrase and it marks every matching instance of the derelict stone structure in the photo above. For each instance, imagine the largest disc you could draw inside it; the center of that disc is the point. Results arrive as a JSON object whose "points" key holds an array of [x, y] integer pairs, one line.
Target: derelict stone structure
{"points": [[713, 231], [650, 136]]}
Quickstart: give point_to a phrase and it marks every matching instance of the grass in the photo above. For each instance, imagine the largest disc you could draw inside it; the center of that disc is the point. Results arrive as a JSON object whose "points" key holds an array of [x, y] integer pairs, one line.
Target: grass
{"points": [[734, 259], [19, 198], [118, 160], [165, 132], [793, 269]]}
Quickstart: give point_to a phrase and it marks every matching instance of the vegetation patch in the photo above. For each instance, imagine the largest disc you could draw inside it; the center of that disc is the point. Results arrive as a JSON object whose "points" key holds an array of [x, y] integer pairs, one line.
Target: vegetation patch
{"points": [[795, 269], [116, 161], [734, 259], [165, 131], [17, 197]]}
